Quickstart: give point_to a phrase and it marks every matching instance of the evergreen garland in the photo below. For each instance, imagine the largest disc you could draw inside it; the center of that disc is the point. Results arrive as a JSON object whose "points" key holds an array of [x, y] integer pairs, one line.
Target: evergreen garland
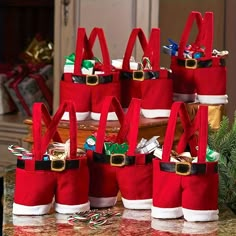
{"points": [[223, 141]]}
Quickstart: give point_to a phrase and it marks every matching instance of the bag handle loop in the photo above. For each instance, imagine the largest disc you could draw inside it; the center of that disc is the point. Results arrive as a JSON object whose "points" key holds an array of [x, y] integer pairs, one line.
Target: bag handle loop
{"points": [[128, 123], [204, 36], [136, 32], [84, 48], [42, 140], [130, 127], [153, 49], [107, 103]]}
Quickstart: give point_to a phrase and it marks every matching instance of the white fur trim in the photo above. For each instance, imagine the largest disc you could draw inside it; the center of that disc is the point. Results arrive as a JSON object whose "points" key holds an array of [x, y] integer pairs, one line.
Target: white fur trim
{"points": [[111, 116], [145, 204], [155, 113], [19, 209], [79, 115], [68, 68], [200, 215], [69, 209], [166, 213], [213, 99], [184, 97], [102, 201]]}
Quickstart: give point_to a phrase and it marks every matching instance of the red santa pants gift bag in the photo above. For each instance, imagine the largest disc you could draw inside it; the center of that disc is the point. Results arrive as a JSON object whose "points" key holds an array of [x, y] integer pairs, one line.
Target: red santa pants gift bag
{"points": [[157, 88], [187, 187], [129, 74], [116, 166], [196, 69], [43, 176], [90, 80], [147, 81]]}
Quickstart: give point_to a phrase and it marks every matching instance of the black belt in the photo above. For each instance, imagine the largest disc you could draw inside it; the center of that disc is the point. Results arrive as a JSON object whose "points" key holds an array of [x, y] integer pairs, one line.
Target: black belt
{"points": [[54, 165], [193, 63], [92, 79], [139, 75], [119, 159], [185, 168]]}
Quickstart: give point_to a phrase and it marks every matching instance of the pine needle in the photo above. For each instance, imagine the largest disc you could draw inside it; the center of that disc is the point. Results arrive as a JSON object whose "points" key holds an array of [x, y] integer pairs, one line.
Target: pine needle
{"points": [[223, 141]]}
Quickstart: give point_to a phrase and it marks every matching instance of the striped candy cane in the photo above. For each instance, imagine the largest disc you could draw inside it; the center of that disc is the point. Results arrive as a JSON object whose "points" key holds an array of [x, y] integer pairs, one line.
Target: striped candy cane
{"points": [[19, 151]]}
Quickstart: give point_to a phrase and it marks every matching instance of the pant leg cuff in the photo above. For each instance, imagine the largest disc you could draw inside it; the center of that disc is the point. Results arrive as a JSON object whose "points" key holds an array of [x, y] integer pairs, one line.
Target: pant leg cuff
{"points": [[19, 209], [155, 113], [200, 215], [144, 204], [166, 213], [70, 209]]}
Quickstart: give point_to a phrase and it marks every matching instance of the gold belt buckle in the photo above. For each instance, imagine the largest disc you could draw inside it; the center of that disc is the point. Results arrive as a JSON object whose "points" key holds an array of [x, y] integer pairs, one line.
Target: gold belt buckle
{"points": [[92, 80], [183, 168], [138, 75], [58, 165], [116, 156], [190, 63]]}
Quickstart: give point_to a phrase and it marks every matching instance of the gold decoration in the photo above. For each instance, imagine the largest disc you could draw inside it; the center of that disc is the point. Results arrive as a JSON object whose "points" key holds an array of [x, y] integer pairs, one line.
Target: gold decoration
{"points": [[215, 113], [38, 51]]}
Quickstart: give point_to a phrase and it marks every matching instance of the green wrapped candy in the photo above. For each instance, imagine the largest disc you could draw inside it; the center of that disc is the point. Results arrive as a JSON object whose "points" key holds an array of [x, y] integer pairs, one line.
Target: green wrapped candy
{"points": [[212, 155], [115, 148]]}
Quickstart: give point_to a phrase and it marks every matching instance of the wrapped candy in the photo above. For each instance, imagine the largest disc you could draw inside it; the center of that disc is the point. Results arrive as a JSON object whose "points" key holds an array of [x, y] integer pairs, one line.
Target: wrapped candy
{"points": [[147, 146], [115, 148], [61, 150], [211, 156]]}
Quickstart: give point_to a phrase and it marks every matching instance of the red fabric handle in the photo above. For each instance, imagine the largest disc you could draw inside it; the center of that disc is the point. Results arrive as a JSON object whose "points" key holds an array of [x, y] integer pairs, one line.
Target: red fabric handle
{"points": [[129, 123], [197, 142], [208, 34], [136, 32], [153, 49], [84, 48], [205, 32], [108, 102], [41, 141], [130, 127]]}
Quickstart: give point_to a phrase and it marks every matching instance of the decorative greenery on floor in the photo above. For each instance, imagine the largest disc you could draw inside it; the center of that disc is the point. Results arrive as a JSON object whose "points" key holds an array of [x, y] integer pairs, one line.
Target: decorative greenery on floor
{"points": [[224, 142]]}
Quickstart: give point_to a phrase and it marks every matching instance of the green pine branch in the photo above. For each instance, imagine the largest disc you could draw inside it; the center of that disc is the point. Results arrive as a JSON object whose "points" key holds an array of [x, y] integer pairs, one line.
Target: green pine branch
{"points": [[224, 142]]}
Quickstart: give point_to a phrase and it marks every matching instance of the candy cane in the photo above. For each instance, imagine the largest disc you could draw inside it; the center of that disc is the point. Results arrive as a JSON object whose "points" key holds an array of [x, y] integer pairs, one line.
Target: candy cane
{"points": [[17, 150]]}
